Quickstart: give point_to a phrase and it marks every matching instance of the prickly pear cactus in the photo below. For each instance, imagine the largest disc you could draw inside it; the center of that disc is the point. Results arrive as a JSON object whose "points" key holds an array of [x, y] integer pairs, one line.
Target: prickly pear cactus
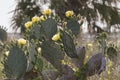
{"points": [[96, 64], [3, 34], [32, 56], [102, 41], [44, 31], [111, 52], [68, 44], [16, 63], [78, 62], [50, 27], [39, 64], [53, 53], [74, 26], [37, 32]]}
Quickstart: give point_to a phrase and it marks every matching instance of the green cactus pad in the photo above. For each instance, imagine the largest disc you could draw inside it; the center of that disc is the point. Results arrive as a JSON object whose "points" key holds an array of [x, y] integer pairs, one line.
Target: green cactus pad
{"points": [[111, 52], [3, 34], [37, 32], [74, 26], [32, 56], [50, 27], [53, 53], [68, 44], [16, 63], [39, 64]]}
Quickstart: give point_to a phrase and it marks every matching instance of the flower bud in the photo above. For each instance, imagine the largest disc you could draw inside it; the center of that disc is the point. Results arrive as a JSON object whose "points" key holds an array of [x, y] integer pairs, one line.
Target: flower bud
{"points": [[42, 18], [56, 37], [22, 41], [47, 12], [28, 24], [35, 19], [69, 13]]}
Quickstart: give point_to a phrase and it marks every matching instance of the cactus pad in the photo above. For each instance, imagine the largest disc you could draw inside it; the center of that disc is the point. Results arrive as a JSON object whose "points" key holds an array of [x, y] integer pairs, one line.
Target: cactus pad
{"points": [[111, 52], [53, 53], [39, 64], [3, 34], [74, 26], [16, 63], [32, 56], [37, 32], [68, 44], [50, 27]]}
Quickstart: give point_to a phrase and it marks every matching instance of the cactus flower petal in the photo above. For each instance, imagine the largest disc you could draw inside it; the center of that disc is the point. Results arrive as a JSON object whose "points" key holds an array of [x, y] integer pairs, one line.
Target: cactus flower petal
{"points": [[39, 50], [56, 37], [22, 41], [69, 13], [7, 53], [47, 12], [35, 19], [28, 24], [42, 18]]}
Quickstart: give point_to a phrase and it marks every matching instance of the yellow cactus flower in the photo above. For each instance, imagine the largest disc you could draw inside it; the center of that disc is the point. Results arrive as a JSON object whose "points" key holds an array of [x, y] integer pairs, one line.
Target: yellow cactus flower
{"points": [[28, 24], [47, 12], [42, 18], [63, 62], [39, 50], [35, 19], [7, 53], [113, 69], [109, 72], [75, 69], [69, 13], [90, 45], [86, 56], [22, 41], [56, 37]]}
